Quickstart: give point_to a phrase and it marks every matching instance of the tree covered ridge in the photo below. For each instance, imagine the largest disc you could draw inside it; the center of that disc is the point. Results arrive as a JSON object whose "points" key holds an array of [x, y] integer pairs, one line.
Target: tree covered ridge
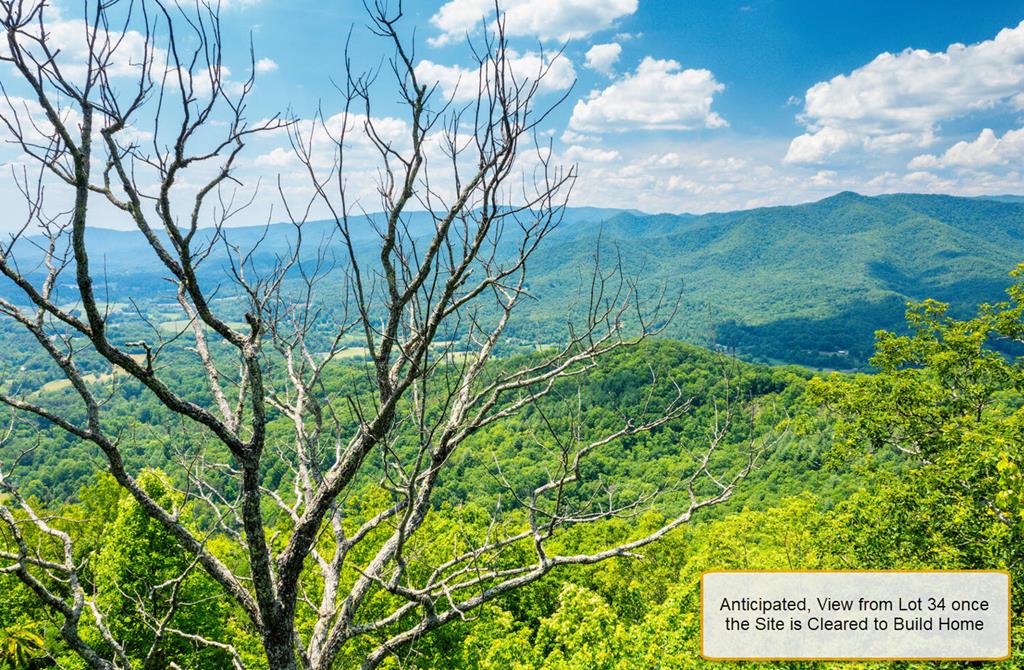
{"points": [[929, 451], [804, 284]]}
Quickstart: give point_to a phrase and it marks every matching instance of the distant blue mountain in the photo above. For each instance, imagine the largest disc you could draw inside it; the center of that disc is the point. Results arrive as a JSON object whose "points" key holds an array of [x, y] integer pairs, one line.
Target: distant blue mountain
{"points": [[807, 283]]}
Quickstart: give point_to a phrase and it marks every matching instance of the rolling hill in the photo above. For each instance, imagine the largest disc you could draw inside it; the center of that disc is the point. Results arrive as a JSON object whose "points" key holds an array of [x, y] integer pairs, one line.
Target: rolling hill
{"points": [[809, 283], [806, 284]]}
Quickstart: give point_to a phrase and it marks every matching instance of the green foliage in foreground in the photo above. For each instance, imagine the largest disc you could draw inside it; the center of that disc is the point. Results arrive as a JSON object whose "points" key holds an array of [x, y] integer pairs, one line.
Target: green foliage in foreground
{"points": [[942, 400]]}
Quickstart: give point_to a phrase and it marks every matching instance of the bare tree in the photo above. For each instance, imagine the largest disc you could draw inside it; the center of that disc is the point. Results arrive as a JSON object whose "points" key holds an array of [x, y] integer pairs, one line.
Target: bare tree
{"points": [[429, 306]]}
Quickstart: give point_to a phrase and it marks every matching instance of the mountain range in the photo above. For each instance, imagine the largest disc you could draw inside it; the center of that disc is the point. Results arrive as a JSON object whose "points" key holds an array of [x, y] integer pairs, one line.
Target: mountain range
{"points": [[812, 283], [806, 284]]}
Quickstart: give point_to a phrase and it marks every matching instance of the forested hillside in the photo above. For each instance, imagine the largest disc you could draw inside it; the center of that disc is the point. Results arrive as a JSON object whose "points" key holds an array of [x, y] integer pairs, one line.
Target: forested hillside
{"points": [[860, 479], [835, 487], [809, 284], [806, 284], [59, 466]]}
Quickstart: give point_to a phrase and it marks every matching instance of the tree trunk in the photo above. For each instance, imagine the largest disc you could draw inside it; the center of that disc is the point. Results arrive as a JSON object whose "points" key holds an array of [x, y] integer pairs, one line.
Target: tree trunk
{"points": [[279, 646]]}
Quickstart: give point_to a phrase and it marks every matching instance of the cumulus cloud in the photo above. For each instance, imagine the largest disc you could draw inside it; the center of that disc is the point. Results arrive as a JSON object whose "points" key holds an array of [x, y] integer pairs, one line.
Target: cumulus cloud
{"points": [[659, 95], [824, 178], [721, 174], [987, 151], [897, 101], [463, 83], [578, 154], [544, 19], [572, 137], [816, 147], [602, 57], [321, 136], [276, 158], [363, 165], [682, 178], [277, 161], [69, 40], [265, 65]]}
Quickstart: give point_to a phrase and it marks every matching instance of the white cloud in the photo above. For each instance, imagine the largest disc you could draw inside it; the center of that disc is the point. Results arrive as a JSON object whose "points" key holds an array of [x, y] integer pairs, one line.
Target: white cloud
{"points": [[824, 178], [922, 178], [393, 130], [721, 173], [578, 154], [69, 39], [557, 71], [28, 116], [684, 177], [278, 157], [543, 19], [898, 101], [602, 57], [265, 65], [572, 137], [816, 147], [659, 95], [35, 127], [987, 151]]}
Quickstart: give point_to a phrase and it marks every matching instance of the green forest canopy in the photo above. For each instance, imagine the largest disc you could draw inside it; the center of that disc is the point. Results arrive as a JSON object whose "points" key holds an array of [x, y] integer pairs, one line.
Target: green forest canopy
{"points": [[918, 465]]}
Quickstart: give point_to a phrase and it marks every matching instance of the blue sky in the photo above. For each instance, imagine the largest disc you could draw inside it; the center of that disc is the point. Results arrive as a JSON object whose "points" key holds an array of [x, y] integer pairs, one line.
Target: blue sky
{"points": [[698, 106], [764, 51], [764, 55]]}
